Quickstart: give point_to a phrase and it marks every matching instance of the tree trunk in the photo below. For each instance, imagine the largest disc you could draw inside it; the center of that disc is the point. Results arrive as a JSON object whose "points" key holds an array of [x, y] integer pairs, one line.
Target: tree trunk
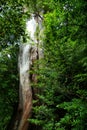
{"points": [[27, 56], [25, 91]]}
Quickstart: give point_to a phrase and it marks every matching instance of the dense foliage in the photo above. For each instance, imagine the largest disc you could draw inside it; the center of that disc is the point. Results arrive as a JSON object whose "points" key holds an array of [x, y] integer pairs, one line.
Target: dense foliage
{"points": [[8, 84], [62, 79]]}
